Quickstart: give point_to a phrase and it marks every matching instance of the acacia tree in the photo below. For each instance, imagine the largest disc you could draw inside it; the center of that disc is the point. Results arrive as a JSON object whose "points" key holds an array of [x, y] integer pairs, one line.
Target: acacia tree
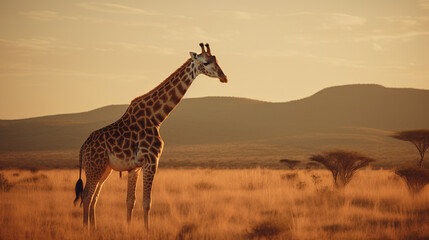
{"points": [[420, 139], [342, 164], [415, 177]]}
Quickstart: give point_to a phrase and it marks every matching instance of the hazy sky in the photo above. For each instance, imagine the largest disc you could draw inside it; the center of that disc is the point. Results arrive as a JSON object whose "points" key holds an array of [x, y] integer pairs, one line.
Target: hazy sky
{"points": [[72, 56]]}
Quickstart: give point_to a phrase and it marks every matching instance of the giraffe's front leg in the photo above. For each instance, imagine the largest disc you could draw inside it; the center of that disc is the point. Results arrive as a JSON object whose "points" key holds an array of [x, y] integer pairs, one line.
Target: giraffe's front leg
{"points": [[131, 193], [149, 170]]}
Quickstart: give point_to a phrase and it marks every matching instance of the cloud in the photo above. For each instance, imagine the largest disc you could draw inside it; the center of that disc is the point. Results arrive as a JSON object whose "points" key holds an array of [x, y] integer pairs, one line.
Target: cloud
{"points": [[390, 37], [182, 33], [325, 60], [137, 47], [377, 30], [343, 20], [327, 21], [374, 38], [38, 44], [26, 70], [331, 61], [113, 8], [401, 20], [42, 15], [323, 20], [122, 9], [377, 47], [241, 15], [47, 15]]}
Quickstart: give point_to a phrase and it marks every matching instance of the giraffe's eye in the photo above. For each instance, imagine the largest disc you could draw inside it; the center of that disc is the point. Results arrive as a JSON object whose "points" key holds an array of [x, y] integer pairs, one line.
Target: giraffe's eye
{"points": [[206, 63]]}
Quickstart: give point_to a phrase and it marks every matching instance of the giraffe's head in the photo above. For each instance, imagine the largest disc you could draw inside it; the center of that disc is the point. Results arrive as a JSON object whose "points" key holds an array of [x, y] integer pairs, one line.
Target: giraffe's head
{"points": [[207, 64]]}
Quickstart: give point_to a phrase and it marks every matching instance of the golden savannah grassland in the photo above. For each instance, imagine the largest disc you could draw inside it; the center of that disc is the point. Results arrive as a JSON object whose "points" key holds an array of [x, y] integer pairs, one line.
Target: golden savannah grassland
{"points": [[219, 204]]}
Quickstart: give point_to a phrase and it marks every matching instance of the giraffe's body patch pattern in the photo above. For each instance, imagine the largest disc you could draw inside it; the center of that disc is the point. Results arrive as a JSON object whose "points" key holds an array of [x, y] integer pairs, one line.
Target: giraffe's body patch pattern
{"points": [[121, 149]]}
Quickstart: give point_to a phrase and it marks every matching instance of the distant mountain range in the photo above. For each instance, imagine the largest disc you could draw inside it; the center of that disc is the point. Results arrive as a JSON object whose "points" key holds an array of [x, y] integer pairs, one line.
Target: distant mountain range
{"points": [[226, 132], [216, 120]]}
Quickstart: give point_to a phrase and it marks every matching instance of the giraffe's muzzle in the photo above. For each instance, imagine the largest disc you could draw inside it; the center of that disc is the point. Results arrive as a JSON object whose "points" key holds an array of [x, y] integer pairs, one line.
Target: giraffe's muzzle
{"points": [[222, 77]]}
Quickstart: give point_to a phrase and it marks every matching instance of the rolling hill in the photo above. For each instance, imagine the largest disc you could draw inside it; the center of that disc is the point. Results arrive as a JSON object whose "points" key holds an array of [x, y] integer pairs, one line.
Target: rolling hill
{"points": [[336, 117]]}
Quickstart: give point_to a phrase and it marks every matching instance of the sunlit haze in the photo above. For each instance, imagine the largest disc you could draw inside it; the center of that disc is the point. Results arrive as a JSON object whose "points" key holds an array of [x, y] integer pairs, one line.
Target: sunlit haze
{"points": [[72, 56]]}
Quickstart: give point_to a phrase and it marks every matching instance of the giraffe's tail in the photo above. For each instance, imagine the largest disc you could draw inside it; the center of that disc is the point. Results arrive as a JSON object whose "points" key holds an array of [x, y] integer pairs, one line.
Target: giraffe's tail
{"points": [[79, 191], [79, 183]]}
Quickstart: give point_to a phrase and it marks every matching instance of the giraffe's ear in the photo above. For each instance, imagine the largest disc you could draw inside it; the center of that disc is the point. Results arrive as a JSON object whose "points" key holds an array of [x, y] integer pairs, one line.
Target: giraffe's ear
{"points": [[193, 55]]}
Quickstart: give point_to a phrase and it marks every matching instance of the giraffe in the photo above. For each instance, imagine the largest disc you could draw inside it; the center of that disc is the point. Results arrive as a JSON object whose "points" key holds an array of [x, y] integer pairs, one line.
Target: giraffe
{"points": [[133, 142]]}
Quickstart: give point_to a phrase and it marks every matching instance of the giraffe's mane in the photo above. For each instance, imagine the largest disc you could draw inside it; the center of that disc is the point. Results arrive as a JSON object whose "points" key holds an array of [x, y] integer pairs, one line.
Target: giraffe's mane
{"points": [[163, 82]]}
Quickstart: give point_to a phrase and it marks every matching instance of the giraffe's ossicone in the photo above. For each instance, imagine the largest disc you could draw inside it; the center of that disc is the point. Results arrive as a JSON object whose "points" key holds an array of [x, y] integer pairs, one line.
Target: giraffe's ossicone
{"points": [[133, 142]]}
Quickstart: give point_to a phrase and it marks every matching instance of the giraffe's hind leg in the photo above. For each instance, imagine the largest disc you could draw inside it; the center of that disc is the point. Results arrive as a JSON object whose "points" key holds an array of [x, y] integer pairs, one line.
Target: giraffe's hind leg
{"points": [[96, 194], [131, 193], [88, 192], [93, 177]]}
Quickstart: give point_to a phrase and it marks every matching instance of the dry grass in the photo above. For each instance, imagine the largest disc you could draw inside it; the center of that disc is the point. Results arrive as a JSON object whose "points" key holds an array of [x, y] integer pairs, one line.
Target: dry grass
{"points": [[219, 204]]}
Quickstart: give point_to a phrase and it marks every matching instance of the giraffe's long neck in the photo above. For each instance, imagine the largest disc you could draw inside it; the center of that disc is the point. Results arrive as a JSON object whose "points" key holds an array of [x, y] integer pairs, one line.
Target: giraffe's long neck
{"points": [[154, 107]]}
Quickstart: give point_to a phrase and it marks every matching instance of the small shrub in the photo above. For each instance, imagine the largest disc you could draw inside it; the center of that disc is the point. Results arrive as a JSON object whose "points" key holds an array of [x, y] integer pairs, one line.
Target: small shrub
{"points": [[186, 231], [76, 214], [388, 222], [334, 228], [362, 202], [291, 164], [289, 176], [253, 186], [270, 213], [5, 186], [388, 205], [34, 179], [204, 186], [415, 177], [316, 179], [266, 229], [394, 178], [326, 197], [183, 207], [301, 185], [312, 165], [160, 209], [32, 169]]}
